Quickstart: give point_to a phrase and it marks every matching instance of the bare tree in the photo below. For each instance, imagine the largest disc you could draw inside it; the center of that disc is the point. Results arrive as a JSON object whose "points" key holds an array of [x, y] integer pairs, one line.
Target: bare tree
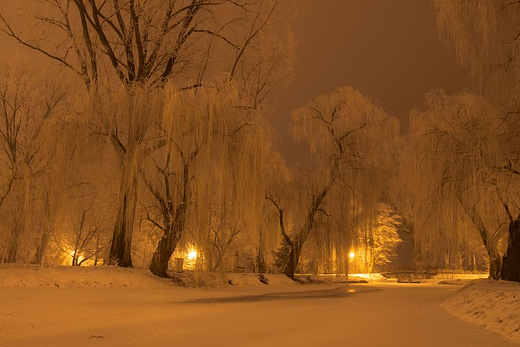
{"points": [[222, 235], [26, 114], [114, 42], [83, 242]]}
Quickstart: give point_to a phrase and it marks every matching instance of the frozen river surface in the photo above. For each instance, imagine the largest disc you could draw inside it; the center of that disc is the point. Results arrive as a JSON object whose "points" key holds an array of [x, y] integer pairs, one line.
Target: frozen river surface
{"points": [[357, 315]]}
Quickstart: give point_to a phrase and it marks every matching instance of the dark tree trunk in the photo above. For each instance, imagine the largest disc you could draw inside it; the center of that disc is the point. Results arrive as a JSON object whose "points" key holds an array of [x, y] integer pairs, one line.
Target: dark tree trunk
{"points": [[18, 225], [511, 261], [495, 261], [174, 227], [294, 258], [495, 265], [121, 246], [166, 246], [301, 237], [42, 246]]}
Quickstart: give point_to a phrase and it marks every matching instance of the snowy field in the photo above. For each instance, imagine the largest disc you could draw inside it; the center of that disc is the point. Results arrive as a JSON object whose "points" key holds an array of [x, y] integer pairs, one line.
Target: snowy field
{"points": [[135, 309]]}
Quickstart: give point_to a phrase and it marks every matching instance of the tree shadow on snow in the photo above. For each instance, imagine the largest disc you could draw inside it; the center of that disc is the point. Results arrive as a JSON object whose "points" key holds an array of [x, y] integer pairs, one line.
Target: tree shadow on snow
{"points": [[340, 292]]}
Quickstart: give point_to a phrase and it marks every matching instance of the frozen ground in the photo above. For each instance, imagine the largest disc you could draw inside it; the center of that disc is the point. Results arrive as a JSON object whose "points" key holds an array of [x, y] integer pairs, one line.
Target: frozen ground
{"points": [[157, 314]]}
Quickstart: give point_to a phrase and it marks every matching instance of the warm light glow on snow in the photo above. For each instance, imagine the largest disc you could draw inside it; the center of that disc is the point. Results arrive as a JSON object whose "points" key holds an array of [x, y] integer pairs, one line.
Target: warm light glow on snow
{"points": [[352, 255], [78, 256], [192, 254]]}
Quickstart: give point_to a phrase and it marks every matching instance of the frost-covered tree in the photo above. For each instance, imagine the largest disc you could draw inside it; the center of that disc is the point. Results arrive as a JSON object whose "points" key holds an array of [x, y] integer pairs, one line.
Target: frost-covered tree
{"points": [[485, 36], [458, 176], [29, 105], [383, 237], [375, 239], [349, 136], [208, 176], [113, 43]]}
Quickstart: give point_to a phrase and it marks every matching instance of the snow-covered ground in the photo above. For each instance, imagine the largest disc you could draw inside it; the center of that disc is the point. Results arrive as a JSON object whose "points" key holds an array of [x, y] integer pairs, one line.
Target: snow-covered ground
{"points": [[74, 276], [111, 276], [490, 304], [147, 311]]}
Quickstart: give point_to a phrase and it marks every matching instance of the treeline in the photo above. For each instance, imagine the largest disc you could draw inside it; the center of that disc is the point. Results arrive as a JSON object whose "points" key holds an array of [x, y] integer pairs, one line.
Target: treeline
{"points": [[147, 137]]}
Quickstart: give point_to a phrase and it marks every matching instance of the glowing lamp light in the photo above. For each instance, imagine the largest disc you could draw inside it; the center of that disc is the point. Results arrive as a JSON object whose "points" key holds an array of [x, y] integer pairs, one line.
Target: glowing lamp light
{"points": [[352, 255], [192, 255]]}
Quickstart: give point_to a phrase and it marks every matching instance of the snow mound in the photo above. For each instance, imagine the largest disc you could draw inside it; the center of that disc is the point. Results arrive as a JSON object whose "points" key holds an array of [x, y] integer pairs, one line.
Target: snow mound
{"points": [[333, 279], [494, 305], [75, 276], [113, 276], [194, 279]]}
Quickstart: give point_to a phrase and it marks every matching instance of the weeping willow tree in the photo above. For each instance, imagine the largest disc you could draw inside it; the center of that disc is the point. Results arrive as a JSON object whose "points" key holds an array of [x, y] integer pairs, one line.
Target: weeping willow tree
{"points": [[349, 136], [280, 189], [485, 36], [460, 192], [208, 178], [110, 44]]}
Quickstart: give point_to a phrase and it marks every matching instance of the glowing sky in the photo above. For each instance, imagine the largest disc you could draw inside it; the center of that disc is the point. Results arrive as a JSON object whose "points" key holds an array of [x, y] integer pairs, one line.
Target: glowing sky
{"points": [[389, 50]]}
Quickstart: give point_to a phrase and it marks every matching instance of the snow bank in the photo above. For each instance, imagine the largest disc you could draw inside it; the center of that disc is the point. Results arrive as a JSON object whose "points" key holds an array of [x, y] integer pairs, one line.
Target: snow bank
{"points": [[490, 304], [112, 276], [250, 279], [202, 279], [74, 276]]}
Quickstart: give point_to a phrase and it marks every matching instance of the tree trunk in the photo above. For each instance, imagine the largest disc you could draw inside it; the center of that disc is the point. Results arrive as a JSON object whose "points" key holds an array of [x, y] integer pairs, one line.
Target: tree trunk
{"points": [[121, 246], [260, 257], [166, 246], [41, 247], [173, 232], [294, 258], [13, 247], [218, 263], [495, 262], [301, 237], [12, 250], [511, 261], [49, 224]]}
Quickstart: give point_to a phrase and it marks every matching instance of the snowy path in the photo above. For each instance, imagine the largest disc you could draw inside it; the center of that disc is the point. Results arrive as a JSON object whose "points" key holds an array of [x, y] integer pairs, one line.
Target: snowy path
{"points": [[360, 315]]}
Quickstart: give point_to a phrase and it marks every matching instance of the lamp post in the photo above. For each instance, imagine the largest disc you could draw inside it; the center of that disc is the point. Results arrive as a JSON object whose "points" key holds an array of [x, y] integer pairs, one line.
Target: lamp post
{"points": [[351, 256]]}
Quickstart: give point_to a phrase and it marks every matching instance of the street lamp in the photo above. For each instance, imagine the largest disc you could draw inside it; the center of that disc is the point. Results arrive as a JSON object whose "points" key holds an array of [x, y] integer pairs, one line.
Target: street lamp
{"points": [[351, 255]]}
